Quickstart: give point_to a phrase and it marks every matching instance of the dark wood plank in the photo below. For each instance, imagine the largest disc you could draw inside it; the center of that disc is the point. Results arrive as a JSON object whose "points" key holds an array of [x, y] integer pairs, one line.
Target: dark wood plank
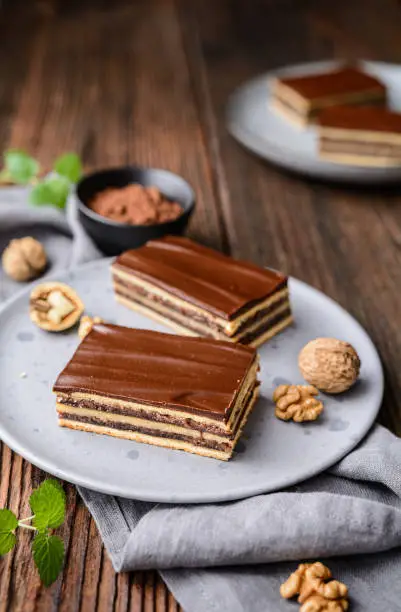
{"points": [[147, 82]]}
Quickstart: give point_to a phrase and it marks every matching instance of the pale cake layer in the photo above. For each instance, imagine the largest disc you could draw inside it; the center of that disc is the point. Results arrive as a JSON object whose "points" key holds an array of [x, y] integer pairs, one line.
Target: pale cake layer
{"points": [[303, 105], [172, 443], [135, 424], [273, 331], [164, 414], [229, 326], [289, 114], [180, 327], [164, 429], [360, 160], [146, 439], [207, 327], [364, 136]]}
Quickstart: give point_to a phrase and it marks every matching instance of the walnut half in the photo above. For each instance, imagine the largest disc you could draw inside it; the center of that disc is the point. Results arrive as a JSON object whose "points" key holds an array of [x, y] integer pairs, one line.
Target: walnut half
{"points": [[54, 306], [297, 402], [315, 589]]}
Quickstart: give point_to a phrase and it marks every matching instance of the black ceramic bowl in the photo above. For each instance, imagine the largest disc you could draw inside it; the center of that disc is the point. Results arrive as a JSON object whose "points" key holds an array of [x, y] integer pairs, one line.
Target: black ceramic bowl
{"points": [[113, 237]]}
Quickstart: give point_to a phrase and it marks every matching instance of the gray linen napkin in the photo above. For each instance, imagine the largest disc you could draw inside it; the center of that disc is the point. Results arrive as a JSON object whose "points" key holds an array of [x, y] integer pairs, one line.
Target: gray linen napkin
{"points": [[234, 556]]}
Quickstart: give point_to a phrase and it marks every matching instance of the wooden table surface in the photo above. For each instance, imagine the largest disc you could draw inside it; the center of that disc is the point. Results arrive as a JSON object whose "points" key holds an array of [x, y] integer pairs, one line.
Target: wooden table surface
{"points": [[146, 82]]}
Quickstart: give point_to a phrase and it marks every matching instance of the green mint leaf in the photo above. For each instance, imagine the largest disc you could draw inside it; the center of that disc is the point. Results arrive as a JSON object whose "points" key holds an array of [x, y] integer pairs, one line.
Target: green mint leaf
{"points": [[53, 190], [69, 166], [8, 522], [20, 166], [48, 554], [48, 505]]}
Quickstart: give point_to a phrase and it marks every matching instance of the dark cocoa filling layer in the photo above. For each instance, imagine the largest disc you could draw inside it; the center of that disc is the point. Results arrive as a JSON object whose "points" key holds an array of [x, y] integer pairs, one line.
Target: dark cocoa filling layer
{"points": [[151, 432], [248, 338], [293, 109], [193, 316], [280, 285], [356, 147], [158, 417]]}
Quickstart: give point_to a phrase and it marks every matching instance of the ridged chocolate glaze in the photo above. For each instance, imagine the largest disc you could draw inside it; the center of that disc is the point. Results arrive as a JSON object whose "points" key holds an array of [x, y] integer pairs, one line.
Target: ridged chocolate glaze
{"points": [[334, 83], [202, 276], [196, 375], [151, 432], [133, 289], [367, 119]]}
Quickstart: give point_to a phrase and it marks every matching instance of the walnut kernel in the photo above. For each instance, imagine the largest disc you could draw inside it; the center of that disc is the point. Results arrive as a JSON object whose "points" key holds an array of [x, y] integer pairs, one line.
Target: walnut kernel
{"points": [[24, 259], [86, 324], [297, 402], [55, 306], [330, 365]]}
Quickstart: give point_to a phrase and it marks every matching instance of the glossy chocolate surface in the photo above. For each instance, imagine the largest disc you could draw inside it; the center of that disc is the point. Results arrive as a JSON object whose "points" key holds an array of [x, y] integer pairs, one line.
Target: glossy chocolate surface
{"points": [[200, 275], [338, 82], [366, 118], [196, 375]]}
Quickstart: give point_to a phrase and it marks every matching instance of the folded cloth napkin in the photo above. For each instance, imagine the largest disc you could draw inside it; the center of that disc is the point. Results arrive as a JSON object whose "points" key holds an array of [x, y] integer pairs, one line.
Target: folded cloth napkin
{"points": [[234, 556]]}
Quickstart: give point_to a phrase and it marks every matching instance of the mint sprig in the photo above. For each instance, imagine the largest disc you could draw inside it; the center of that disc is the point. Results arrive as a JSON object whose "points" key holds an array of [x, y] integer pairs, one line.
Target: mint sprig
{"points": [[48, 504], [19, 167], [48, 554], [53, 190], [8, 524], [22, 169], [69, 166]]}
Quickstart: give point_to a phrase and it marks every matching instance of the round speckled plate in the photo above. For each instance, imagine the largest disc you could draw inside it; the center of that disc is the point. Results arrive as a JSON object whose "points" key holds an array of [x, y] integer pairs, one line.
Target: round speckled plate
{"points": [[264, 132], [271, 455]]}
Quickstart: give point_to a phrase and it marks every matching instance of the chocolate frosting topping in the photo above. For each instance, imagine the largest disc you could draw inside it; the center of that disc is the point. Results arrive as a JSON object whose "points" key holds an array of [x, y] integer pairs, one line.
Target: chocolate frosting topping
{"points": [[367, 118], [200, 275], [337, 82], [192, 374]]}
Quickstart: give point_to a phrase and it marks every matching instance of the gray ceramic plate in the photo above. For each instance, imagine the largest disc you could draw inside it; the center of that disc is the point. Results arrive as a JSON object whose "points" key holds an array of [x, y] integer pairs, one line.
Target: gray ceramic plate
{"points": [[271, 455], [253, 123]]}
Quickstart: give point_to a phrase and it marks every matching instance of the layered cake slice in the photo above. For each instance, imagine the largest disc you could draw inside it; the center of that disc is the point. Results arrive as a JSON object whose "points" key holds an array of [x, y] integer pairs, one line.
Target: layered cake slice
{"points": [[190, 394], [301, 99], [364, 136], [200, 292]]}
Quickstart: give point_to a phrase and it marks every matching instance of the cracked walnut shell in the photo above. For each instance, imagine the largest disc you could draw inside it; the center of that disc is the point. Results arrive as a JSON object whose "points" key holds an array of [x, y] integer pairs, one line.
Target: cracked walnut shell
{"points": [[330, 365], [315, 589], [55, 306], [24, 259], [297, 402]]}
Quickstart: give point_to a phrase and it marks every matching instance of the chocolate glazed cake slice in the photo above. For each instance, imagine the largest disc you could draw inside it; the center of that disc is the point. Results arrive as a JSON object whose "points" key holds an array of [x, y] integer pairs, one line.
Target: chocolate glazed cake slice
{"points": [[365, 136], [301, 99], [201, 292], [191, 394]]}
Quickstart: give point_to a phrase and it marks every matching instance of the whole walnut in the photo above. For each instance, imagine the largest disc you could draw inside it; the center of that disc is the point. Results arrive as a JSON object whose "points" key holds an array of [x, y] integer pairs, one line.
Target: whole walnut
{"points": [[330, 365], [24, 259]]}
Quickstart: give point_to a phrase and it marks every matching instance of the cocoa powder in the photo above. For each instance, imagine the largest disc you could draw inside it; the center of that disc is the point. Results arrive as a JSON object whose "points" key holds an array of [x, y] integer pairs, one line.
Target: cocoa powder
{"points": [[135, 205]]}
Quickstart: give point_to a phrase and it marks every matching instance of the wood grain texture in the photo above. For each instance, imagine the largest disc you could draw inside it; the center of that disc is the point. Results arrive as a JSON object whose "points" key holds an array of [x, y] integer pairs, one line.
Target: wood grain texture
{"points": [[147, 82]]}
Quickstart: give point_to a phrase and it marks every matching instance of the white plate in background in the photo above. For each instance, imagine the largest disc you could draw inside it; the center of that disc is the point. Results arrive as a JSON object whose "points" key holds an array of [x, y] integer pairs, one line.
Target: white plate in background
{"points": [[264, 132]]}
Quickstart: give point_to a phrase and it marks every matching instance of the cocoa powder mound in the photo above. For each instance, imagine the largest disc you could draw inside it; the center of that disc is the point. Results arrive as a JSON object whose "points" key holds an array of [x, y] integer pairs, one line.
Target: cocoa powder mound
{"points": [[135, 205]]}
